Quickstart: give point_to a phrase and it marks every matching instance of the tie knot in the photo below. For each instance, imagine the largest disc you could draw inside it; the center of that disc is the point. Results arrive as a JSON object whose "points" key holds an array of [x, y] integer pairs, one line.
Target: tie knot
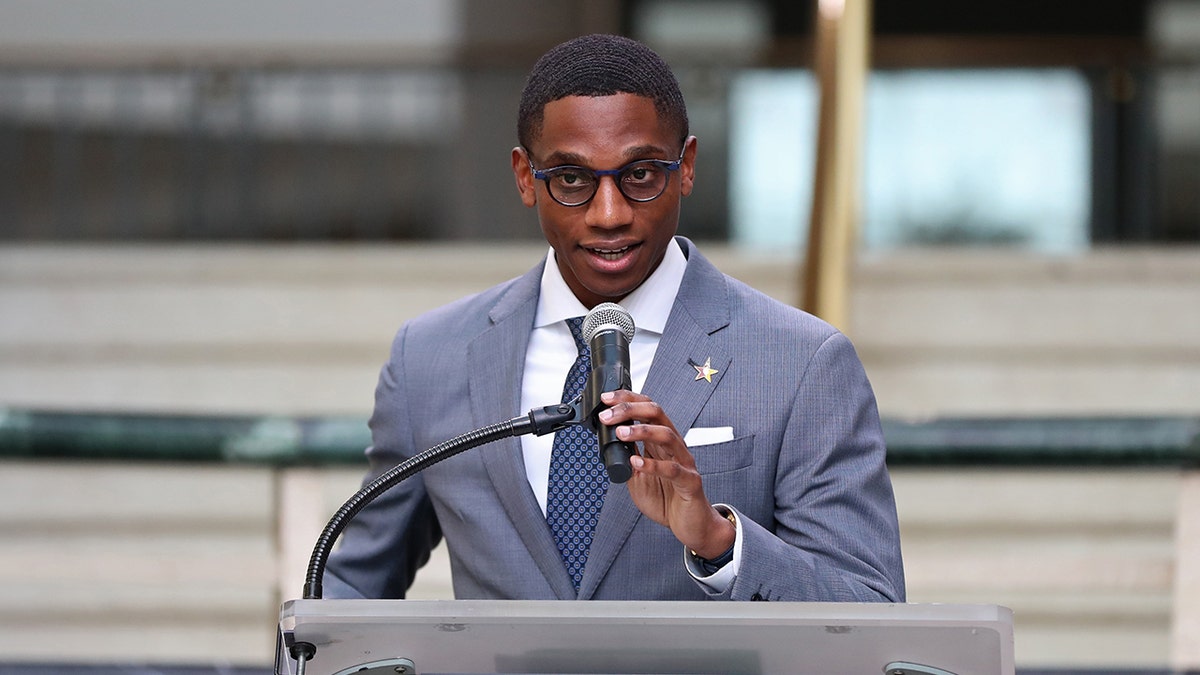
{"points": [[576, 325]]}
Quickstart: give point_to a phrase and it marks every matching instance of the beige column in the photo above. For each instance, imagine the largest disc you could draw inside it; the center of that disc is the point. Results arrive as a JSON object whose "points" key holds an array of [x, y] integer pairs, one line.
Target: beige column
{"points": [[1185, 619], [302, 504]]}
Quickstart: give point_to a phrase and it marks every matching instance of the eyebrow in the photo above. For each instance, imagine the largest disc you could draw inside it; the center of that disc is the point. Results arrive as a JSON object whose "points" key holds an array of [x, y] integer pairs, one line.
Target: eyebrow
{"points": [[633, 154]]}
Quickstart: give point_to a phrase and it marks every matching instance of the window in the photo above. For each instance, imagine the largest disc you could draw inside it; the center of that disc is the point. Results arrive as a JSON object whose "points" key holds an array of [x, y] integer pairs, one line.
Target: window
{"points": [[952, 157]]}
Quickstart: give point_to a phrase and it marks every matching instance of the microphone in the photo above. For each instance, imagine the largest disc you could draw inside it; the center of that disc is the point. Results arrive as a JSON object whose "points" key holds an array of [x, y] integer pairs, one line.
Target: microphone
{"points": [[608, 328]]}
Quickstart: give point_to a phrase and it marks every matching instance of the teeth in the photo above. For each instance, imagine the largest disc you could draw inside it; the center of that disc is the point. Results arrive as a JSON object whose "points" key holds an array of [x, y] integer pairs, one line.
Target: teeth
{"points": [[610, 254]]}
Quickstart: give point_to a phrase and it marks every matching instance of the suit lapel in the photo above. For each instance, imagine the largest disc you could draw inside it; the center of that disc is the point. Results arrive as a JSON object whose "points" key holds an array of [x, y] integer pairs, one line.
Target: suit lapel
{"points": [[496, 369], [701, 308]]}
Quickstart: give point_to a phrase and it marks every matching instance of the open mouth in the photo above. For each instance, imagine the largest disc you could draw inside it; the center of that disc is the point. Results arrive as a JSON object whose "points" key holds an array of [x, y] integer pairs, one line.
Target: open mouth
{"points": [[610, 253]]}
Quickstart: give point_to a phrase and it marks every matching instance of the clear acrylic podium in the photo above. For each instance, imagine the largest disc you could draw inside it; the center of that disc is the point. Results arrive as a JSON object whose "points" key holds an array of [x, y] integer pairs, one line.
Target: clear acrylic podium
{"points": [[426, 637]]}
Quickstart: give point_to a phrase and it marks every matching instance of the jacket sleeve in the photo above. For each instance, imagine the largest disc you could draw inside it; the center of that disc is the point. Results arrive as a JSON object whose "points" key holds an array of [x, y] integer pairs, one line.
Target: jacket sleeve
{"points": [[388, 541]]}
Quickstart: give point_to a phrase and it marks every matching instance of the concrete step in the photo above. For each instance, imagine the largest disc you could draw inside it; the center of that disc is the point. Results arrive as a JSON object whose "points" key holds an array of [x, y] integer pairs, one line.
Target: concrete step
{"points": [[298, 330]]}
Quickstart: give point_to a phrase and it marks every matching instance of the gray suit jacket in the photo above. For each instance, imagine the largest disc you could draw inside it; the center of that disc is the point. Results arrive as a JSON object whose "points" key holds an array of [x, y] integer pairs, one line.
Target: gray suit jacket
{"points": [[805, 470]]}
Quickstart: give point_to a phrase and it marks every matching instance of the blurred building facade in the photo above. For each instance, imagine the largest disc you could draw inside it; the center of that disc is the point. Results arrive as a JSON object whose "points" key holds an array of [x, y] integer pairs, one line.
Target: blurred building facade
{"points": [[1053, 128]]}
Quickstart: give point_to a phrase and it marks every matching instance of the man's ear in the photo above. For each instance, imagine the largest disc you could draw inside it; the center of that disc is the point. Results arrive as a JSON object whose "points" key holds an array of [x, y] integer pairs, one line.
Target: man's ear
{"points": [[687, 169], [526, 186]]}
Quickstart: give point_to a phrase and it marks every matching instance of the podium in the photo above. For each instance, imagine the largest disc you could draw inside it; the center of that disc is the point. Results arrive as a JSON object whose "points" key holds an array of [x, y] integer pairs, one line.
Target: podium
{"points": [[426, 637]]}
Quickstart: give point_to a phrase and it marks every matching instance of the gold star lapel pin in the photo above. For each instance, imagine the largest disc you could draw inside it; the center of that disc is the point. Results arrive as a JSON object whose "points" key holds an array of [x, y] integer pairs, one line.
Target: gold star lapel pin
{"points": [[706, 371]]}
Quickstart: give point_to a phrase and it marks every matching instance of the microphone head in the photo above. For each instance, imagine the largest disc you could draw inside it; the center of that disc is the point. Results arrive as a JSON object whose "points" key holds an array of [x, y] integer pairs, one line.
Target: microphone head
{"points": [[608, 315]]}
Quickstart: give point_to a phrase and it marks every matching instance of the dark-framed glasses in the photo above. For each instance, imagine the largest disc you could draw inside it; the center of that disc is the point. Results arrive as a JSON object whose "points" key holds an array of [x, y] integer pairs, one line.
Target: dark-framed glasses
{"points": [[640, 181]]}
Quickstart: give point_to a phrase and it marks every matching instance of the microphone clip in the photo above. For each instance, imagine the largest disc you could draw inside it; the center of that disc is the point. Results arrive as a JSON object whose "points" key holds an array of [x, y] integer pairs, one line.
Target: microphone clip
{"points": [[551, 418]]}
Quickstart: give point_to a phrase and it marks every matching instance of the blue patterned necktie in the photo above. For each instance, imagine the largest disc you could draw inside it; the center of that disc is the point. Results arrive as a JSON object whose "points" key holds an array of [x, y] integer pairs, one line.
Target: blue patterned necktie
{"points": [[577, 479]]}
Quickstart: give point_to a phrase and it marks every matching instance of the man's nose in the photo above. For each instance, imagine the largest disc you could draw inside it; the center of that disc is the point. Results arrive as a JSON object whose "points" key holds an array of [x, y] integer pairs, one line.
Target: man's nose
{"points": [[608, 207]]}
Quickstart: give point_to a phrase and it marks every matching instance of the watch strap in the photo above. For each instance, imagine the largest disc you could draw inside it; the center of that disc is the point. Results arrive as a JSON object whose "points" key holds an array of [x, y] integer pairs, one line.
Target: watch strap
{"points": [[710, 566]]}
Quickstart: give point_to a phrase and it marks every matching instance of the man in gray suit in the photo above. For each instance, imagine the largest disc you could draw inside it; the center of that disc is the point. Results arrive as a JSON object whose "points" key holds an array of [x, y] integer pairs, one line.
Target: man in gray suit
{"points": [[761, 471]]}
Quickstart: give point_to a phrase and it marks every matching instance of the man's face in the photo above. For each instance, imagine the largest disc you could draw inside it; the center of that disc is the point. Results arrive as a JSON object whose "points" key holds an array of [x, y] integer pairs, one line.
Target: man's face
{"points": [[607, 247]]}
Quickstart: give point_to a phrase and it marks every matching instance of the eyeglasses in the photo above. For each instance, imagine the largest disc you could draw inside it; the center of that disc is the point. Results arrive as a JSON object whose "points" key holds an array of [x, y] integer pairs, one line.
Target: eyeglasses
{"points": [[641, 181]]}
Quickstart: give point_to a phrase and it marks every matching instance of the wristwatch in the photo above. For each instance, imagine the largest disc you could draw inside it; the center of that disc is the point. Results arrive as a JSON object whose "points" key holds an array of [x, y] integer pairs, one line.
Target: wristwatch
{"points": [[710, 567]]}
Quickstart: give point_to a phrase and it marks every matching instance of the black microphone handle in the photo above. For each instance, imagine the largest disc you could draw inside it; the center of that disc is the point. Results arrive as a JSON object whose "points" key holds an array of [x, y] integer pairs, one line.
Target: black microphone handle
{"points": [[615, 453], [610, 371]]}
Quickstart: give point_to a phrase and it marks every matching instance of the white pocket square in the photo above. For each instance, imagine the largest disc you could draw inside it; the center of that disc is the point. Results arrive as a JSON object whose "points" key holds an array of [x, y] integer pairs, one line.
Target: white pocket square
{"points": [[707, 436]]}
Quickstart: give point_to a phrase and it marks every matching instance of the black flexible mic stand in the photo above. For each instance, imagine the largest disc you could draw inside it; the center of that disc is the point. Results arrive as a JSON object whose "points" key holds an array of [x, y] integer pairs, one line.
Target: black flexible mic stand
{"points": [[539, 422]]}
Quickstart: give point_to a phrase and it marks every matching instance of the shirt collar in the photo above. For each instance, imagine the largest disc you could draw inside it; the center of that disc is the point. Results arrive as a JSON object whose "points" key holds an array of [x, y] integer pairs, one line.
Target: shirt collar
{"points": [[649, 304]]}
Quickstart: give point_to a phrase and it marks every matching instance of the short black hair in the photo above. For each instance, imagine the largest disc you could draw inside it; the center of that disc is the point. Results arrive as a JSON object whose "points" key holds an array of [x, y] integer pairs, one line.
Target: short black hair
{"points": [[599, 65]]}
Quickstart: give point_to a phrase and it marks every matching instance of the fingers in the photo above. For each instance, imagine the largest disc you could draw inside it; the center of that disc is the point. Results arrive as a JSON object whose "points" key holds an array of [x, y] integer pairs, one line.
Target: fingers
{"points": [[665, 485], [641, 419], [654, 434], [653, 430], [626, 406], [666, 470]]}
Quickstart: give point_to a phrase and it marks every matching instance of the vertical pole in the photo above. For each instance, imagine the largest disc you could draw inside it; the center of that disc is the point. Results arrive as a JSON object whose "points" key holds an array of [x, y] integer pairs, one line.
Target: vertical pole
{"points": [[842, 39]]}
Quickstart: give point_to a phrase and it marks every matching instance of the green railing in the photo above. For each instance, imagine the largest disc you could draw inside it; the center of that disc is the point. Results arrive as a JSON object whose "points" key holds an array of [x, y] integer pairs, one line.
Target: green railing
{"points": [[1025, 441]]}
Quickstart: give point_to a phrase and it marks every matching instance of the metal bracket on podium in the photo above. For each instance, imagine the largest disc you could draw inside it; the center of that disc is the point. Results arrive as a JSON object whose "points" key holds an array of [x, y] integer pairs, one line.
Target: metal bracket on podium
{"points": [[398, 666], [902, 668]]}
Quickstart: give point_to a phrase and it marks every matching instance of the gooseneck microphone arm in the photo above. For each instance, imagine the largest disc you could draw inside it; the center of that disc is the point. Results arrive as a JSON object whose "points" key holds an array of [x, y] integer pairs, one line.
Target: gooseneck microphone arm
{"points": [[608, 329], [539, 421]]}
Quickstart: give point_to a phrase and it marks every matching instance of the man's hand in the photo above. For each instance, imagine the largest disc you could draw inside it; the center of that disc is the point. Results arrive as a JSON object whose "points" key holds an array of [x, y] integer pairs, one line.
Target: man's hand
{"points": [[665, 484]]}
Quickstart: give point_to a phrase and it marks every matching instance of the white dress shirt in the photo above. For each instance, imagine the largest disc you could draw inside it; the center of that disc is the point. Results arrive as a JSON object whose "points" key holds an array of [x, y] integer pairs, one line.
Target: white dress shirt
{"points": [[552, 352]]}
